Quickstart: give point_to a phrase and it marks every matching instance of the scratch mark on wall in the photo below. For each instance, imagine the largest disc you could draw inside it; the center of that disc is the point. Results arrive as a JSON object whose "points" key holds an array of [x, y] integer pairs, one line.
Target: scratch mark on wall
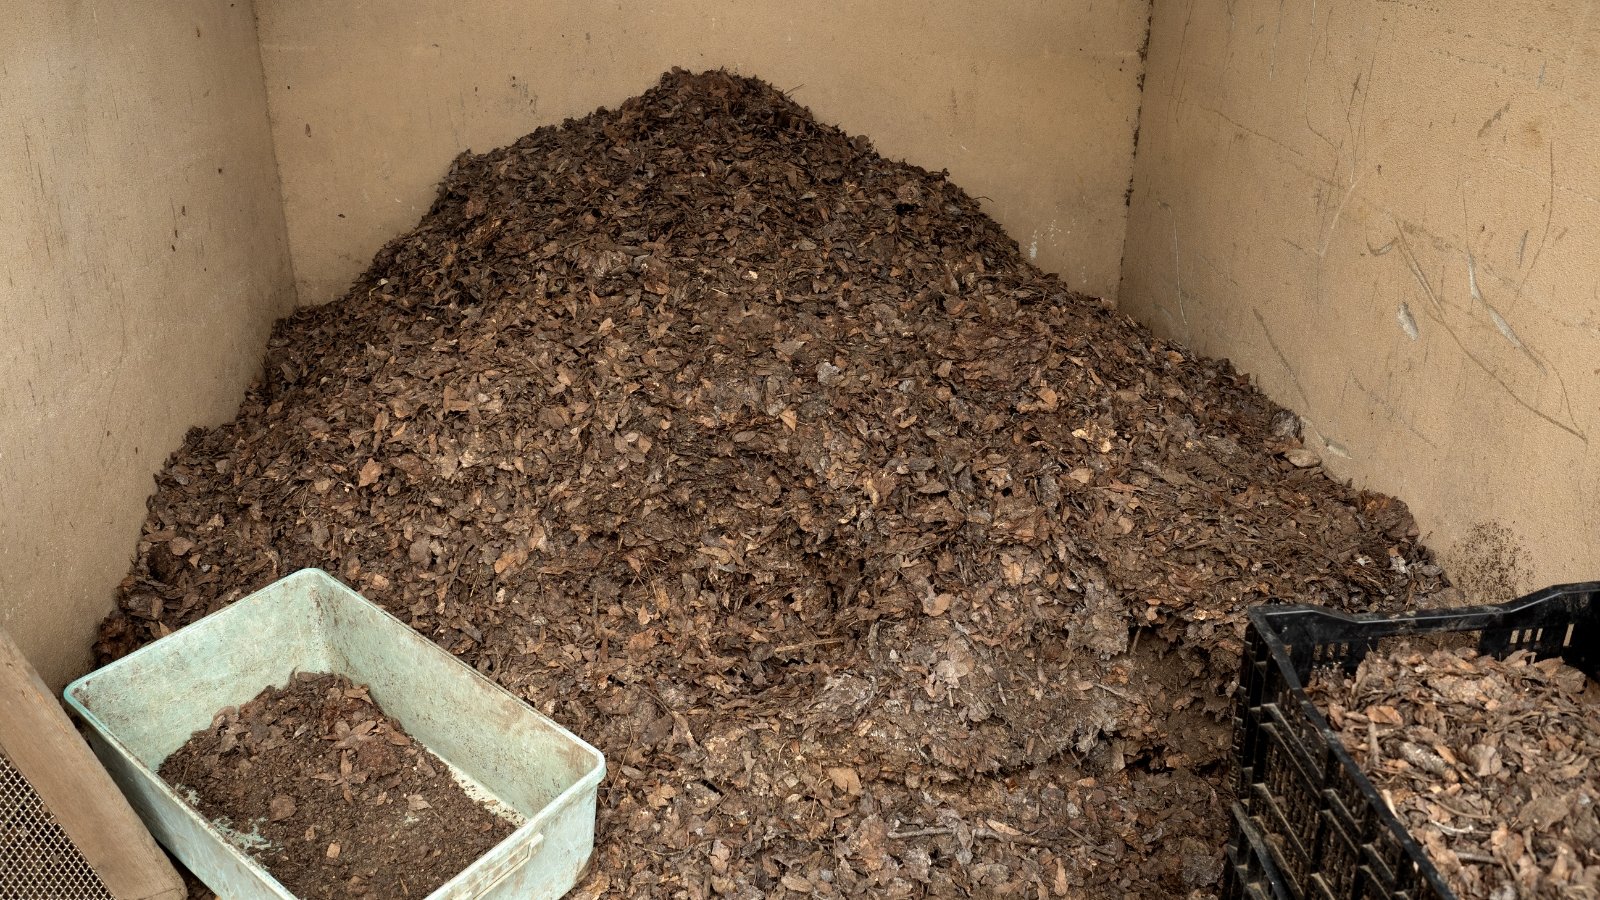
{"points": [[1336, 148], [1177, 269], [1272, 62], [1356, 123], [1438, 314], [1327, 237], [1504, 327], [1549, 216], [1492, 65], [1408, 322], [1511, 392], [1321, 40], [1411, 263], [1282, 358], [1177, 68], [1498, 113], [1394, 413], [1476, 293], [1251, 131], [1217, 270]]}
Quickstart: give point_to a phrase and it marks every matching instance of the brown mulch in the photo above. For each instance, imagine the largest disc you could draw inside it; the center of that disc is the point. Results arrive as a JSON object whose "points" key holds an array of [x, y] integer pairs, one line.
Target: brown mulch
{"points": [[332, 796], [877, 562], [1489, 763]]}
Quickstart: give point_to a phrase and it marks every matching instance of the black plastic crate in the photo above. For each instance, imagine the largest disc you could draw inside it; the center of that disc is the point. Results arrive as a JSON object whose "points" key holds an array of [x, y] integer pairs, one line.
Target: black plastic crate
{"points": [[1248, 871], [1307, 822]]}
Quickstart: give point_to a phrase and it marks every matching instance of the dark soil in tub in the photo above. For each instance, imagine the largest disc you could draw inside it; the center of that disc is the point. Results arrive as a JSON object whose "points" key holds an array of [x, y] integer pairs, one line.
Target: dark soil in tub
{"points": [[337, 799]]}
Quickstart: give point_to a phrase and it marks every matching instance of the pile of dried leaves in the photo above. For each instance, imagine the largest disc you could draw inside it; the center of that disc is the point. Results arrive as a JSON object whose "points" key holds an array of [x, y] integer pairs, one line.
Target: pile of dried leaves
{"points": [[1489, 763], [331, 796], [878, 563]]}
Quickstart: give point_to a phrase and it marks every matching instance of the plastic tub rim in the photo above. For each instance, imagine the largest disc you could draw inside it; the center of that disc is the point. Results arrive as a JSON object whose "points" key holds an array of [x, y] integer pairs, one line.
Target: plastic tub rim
{"points": [[534, 823]]}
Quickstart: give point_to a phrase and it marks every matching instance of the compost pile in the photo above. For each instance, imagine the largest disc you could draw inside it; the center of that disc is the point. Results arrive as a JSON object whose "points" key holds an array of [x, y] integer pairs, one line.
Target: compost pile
{"points": [[1489, 764], [877, 562], [334, 798]]}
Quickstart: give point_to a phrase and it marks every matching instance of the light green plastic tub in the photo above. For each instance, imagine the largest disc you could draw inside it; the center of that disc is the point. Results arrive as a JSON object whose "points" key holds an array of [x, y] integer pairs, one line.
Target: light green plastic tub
{"points": [[141, 708]]}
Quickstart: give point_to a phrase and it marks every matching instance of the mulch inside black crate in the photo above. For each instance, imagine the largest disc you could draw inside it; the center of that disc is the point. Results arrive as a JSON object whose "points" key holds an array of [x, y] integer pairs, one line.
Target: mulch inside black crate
{"points": [[1490, 764]]}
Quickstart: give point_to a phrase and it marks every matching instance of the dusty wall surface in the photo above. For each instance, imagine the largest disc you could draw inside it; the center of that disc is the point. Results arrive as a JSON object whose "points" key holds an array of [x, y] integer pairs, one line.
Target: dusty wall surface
{"points": [[1029, 104], [142, 259], [1390, 214]]}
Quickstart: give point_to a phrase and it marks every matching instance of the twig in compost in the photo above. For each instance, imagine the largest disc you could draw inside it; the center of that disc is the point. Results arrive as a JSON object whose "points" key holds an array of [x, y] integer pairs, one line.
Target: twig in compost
{"points": [[919, 832], [805, 645], [1113, 691], [982, 832], [1461, 812]]}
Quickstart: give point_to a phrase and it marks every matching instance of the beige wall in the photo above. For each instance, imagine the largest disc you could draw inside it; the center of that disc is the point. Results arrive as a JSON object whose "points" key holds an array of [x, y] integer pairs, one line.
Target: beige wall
{"points": [[1390, 214], [1030, 104], [142, 257]]}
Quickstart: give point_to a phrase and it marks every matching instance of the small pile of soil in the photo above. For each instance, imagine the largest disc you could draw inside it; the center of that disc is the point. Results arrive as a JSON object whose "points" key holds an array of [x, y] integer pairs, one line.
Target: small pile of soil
{"points": [[331, 796], [878, 563], [1489, 763]]}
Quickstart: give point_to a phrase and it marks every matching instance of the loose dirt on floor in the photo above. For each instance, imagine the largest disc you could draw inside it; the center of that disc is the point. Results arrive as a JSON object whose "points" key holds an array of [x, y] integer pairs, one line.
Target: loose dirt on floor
{"points": [[1489, 764], [877, 562], [331, 796]]}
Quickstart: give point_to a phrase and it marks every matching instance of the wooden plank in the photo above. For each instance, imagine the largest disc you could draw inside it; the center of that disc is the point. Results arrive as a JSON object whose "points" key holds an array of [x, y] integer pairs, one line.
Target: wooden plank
{"points": [[38, 738]]}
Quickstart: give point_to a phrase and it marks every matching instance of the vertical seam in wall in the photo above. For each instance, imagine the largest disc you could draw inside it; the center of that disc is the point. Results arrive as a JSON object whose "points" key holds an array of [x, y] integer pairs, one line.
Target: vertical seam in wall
{"points": [[1133, 155], [277, 163]]}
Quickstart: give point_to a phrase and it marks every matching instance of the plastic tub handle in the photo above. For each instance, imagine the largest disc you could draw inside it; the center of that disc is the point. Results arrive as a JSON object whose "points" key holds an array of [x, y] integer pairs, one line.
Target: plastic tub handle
{"points": [[511, 865]]}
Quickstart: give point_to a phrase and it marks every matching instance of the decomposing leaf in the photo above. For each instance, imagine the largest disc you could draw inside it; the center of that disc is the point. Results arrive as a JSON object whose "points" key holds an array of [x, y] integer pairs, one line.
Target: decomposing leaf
{"points": [[281, 807], [845, 779]]}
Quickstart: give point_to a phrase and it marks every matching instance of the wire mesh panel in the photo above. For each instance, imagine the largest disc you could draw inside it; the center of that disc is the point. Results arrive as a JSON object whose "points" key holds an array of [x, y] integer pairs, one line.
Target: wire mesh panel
{"points": [[37, 859]]}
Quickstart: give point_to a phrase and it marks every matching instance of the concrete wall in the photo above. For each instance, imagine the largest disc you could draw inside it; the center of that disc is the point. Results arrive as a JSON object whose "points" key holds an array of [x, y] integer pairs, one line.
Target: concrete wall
{"points": [[1390, 214], [1028, 103], [142, 259]]}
